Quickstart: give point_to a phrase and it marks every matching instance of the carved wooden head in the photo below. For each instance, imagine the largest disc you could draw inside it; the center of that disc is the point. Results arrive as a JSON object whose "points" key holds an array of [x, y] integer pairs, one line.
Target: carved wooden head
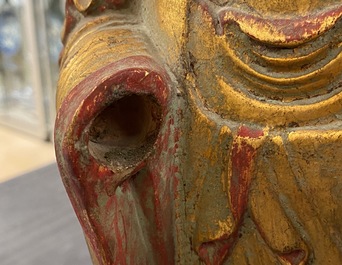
{"points": [[203, 132]]}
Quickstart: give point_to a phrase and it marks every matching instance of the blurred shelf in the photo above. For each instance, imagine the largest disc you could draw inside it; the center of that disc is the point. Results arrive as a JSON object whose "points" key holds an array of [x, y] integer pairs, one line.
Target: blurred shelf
{"points": [[21, 153]]}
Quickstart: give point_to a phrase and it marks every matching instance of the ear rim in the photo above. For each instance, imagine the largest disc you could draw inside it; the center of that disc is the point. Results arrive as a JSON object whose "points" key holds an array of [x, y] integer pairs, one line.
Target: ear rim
{"points": [[78, 169]]}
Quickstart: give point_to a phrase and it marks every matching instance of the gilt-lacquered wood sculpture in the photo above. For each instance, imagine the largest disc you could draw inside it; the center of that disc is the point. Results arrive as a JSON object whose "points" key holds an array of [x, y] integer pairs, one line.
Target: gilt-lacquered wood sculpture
{"points": [[203, 132]]}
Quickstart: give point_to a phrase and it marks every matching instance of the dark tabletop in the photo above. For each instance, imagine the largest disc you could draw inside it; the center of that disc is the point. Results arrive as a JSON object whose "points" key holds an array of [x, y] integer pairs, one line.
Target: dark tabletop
{"points": [[37, 223]]}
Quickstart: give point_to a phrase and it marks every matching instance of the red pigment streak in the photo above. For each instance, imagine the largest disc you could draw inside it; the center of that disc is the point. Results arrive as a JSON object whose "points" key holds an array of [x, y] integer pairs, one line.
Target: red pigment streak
{"points": [[102, 8], [295, 257], [81, 105], [115, 3], [160, 222], [70, 20], [161, 184], [247, 132], [177, 134], [243, 155], [215, 252], [162, 239], [121, 240], [148, 193]]}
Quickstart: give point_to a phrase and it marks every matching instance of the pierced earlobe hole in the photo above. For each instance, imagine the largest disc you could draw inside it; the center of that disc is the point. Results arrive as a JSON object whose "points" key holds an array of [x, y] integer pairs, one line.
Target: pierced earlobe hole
{"points": [[123, 134]]}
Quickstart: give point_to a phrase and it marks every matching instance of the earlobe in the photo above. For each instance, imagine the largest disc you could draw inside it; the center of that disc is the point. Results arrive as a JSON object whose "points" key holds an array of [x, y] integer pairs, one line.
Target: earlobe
{"points": [[123, 135], [115, 123], [106, 129]]}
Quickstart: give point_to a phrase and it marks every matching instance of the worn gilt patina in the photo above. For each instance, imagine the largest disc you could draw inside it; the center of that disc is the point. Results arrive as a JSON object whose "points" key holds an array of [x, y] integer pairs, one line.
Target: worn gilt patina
{"points": [[203, 132]]}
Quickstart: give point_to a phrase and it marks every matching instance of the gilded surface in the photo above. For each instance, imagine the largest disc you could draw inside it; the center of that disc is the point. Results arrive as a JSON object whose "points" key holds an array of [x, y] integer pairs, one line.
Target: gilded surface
{"points": [[235, 157]]}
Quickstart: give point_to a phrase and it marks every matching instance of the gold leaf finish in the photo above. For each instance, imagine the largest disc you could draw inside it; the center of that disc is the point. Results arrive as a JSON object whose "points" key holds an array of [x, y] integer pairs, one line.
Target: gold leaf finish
{"points": [[246, 165]]}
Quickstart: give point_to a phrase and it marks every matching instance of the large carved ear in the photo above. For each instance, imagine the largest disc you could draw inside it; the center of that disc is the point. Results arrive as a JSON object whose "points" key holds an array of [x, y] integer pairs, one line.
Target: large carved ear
{"points": [[106, 128], [111, 120]]}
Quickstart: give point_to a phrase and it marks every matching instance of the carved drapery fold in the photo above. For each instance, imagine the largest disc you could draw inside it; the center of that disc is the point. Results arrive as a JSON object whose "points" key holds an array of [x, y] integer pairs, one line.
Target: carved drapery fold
{"points": [[203, 132]]}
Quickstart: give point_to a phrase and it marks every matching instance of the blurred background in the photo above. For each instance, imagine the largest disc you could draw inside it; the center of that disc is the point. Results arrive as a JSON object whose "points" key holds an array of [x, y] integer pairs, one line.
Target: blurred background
{"points": [[29, 50], [37, 223]]}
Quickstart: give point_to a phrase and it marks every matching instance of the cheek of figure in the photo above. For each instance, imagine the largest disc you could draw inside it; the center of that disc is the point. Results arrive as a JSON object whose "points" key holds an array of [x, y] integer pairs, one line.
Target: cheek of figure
{"points": [[265, 102]]}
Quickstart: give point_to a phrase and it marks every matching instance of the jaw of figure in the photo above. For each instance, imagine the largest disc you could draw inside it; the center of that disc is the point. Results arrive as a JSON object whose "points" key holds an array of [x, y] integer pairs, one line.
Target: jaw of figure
{"points": [[213, 137]]}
